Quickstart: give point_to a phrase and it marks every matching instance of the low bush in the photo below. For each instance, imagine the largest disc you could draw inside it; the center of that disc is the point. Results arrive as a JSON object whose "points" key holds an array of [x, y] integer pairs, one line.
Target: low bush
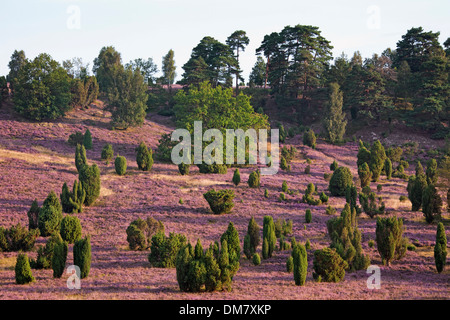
{"points": [[328, 266], [220, 201], [163, 250]]}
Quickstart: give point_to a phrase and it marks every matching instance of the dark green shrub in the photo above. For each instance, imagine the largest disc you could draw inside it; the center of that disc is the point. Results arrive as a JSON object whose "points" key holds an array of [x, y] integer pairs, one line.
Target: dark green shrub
{"points": [[220, 201], [363, 155], [334, 165], [365, 175], [431, 204], [269, 237], [283, 164], [415, 188], [183, 168], [107, 152], [121, 165], [440, 248], [388, 168], [164, 150], [419, 169], [17, 238], [72, 202], [23, 270], [87, 140], [379, 188], [59, 258], [144, 157], [403, 198], [45, 253], [50, 215], [82, 256], [256, 259], [290, 264], [308, 245], [234, 247], [394, 154], [254, 238], [254, 179], [282, 197], [33, 215], [351, 194], [164, 249], [284, 186], [236, 177], [431, 173], [389, 237], [371, 243], [327, 176], [89, 177], [330, 210], [328, 265], [323, 197], [80, 157], [346, 239], [76, 138], [341, 178], [308, 216], [212, 168], [266, 193], [136, 234], [300, 261], [308, 169], [309, 138], [377, 158], [70, 229]]}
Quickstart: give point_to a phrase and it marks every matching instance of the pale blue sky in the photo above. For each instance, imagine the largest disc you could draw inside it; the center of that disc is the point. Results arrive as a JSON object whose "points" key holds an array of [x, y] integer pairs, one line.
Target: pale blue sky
{"points": [[142, 29]]}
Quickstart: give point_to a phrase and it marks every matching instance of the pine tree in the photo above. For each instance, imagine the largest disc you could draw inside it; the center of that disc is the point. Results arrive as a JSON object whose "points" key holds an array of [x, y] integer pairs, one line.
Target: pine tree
{"points": [[89, 177], [59, 258], [50, 215], [80, 157], [377, 158], [33, 215], [390, 242], [431, 204], [82, 256], [431, 173], [300, 262], [334, 122]]}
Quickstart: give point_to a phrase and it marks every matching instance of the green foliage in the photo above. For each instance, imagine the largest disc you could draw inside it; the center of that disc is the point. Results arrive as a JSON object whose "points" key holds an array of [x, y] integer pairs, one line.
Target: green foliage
{"points": [[140, 232], [87, 140], [363, 155], [284, 186], [341, 178], [283, 164], [346, 239], [105, 66], [415, 188], [80, 157], [254, 179], [82, 256], [388, 168], [309, 139], [351, 195], [23, 270], [282, 197], [59, 258], [164, 150], [50, 215], [377, 158], [107, 152], [76, 138], [45, 253], [334, 122], [308, 169], [330, 210], [269, 237], [323, 197], [164, 249], [84, 91], [236, 177], [253, 238], [290, 264], [371, 204], [371, 243], [42, 89], [231, 236], [144, 157], [183, 168], [127, 98], [89, 177], [256, 259], [308, 216], [394, 154], [328, 266], [300, 262], [440, 248], [431, 204], [70, 229], [120, 165], [431, 173], [212, 168], [389, 237], [17, 238], [72, 202], [334, 165], [33, 215], [220, 201], [365, 175], [266, 193]]}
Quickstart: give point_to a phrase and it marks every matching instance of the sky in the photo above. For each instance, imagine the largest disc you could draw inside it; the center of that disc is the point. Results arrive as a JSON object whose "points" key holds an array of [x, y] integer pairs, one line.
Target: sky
{"points": [[150, 28]]}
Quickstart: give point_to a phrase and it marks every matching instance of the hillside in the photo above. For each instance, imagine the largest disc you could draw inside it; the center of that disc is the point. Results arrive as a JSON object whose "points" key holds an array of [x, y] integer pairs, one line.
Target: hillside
{"points": [[35, 159]]}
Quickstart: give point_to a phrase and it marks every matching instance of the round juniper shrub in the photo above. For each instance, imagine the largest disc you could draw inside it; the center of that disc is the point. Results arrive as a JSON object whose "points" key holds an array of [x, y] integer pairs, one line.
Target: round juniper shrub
{"points": [[329, 265], [341, 178], [107, 152], [256, 259], [70, 229], [308, 216], [220, 201], [121, 165], [23, 270]]}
